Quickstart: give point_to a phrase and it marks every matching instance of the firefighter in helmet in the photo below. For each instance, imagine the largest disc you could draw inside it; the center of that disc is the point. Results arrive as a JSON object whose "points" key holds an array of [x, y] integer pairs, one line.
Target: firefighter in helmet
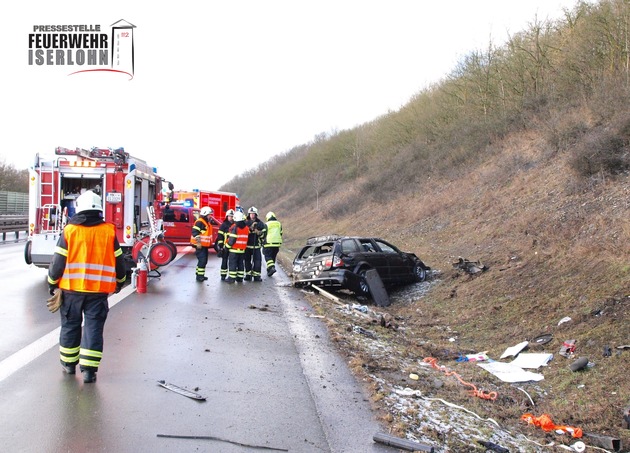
{"points": [[219, 244], [272, 242], [201, 238], [253, 256], [87, 266], [236, 243]]}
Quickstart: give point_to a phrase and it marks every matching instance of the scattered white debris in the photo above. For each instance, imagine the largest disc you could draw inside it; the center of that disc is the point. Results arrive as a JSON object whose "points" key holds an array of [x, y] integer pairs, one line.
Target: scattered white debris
{"points": [[514, 350], [563, 320]]}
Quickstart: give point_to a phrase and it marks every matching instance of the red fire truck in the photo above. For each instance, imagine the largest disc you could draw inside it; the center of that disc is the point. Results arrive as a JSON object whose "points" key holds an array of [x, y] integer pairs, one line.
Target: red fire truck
{"points": [[130, 191], [180, 210]]}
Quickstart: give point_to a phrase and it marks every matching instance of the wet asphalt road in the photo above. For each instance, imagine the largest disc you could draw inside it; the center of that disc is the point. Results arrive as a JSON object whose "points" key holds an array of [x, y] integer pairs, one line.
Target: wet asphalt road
{"points": [[271, 380]]}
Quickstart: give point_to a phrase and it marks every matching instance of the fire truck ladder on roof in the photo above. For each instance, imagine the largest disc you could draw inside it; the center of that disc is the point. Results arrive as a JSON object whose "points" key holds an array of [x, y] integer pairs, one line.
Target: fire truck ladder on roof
{"points": [[47, 181]]}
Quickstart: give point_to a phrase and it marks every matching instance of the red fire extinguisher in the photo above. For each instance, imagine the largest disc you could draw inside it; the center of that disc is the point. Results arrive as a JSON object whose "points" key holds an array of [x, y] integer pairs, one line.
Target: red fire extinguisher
{"points": [[143, 277]]}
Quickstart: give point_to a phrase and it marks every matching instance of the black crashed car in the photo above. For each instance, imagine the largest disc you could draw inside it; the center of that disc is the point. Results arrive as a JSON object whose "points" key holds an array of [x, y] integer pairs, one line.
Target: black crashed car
{"points": [[341, 262]]}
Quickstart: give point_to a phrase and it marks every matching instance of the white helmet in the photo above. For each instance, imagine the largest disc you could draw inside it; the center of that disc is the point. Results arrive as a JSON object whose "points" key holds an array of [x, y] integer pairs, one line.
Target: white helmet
{"points": [[206, 211], [89, 201], [269, 215], [252, 210], [238, 216], [229, 212]]}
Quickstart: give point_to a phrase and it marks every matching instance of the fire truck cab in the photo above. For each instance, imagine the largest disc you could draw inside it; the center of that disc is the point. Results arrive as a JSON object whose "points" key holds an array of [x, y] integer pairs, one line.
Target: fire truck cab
{"points": [[180, 210], [126, 184]]}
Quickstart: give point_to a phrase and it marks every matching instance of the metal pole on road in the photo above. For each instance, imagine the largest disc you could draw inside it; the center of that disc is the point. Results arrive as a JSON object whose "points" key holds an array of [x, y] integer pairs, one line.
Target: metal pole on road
{"points": [[269, 377]]}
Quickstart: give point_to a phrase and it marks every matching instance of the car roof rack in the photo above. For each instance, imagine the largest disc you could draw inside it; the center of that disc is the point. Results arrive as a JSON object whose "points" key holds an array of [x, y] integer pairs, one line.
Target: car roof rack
{"points": [[324, 238]]}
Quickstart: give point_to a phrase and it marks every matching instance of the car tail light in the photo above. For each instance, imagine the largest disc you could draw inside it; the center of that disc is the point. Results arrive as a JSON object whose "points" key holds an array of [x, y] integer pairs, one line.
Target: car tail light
{"points": [[337, 261]]}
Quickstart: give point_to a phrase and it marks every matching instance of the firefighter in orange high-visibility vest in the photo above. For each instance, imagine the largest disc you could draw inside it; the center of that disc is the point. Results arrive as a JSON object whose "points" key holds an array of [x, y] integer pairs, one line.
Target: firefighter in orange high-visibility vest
{"points": [[87, 266], [201, 238], [237, 243]]}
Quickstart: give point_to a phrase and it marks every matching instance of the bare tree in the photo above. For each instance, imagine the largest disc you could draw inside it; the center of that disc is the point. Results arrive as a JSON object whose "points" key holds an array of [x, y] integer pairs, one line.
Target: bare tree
{"points": [[12, 179], [317, 180]]}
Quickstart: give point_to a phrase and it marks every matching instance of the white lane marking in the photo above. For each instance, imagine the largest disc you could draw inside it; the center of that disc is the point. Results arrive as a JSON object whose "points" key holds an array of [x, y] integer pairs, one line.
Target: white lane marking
{"points": [[29, 353]]}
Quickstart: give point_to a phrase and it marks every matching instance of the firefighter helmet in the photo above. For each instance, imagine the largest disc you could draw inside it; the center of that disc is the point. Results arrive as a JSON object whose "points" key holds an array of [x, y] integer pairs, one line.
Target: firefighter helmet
{"points": [[238, 216], [206, 211], [229, 212], [269, 215], [89, 201], [252, 210]]}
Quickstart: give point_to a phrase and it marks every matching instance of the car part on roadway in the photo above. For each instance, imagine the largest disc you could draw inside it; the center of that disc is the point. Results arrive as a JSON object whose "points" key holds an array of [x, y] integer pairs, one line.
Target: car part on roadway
{"points": [[181, 391], [403, 444]]}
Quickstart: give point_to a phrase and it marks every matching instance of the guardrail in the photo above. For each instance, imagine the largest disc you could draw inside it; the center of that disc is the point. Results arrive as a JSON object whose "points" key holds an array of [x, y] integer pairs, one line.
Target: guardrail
{"points": [[13, 224]]}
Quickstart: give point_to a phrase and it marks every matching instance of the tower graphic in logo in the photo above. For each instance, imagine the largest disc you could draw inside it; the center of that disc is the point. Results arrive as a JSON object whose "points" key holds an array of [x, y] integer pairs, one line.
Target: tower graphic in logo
{"points": [[122, 46]]}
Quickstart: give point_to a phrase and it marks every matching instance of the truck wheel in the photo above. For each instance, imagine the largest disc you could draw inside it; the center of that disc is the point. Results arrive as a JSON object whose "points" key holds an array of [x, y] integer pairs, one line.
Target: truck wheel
{"points": [[27, 252]]}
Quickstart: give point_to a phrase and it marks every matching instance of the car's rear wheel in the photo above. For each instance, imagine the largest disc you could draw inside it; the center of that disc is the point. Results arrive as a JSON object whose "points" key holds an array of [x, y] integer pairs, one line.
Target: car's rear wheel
{"points": [[419, 272], [363, 284]]}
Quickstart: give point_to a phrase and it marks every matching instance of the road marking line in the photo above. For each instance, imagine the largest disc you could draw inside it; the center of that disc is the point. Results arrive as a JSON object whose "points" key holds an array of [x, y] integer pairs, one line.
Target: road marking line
{"points": [[27, 354]]}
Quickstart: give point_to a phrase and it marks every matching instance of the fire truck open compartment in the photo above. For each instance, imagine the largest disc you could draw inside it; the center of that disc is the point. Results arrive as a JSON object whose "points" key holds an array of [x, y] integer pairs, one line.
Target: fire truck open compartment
{"points": [[73, 185]]}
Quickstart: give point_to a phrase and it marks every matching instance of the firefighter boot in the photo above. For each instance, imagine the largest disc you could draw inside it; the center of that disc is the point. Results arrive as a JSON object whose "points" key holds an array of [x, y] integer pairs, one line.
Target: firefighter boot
{"points": [[248, 278], [258, 278], [69, 368], [89, 376], [229, 280], [271, 270], [201, 278]]}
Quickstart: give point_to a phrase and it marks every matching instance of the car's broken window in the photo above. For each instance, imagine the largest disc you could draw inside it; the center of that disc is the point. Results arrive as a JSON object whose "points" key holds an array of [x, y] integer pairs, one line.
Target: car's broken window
{"points": [[326, 248], [367, 245], [349, 246], [308, 251], [385, 247]]}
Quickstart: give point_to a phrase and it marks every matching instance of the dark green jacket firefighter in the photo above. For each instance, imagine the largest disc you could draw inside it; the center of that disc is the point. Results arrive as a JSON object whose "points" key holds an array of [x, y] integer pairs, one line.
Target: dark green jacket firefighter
{"points": [[272, 242], [253, 255]]}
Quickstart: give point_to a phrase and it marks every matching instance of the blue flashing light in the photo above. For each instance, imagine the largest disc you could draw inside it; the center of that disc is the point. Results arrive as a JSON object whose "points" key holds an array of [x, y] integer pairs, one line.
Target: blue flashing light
{"points": [[188, 203], [132, 167]]}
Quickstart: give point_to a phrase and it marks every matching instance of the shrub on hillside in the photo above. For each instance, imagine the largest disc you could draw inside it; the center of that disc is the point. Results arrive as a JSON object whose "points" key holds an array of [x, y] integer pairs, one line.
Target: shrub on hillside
{"points": [[565, 131], [601, 152]]}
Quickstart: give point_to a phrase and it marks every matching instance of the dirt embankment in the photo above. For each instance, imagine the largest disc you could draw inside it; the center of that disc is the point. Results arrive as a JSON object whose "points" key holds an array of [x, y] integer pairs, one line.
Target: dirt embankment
{"points": [[554, 249]]}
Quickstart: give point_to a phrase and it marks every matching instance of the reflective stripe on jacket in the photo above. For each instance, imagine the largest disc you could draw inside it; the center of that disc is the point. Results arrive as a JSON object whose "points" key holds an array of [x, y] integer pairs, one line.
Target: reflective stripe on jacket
{"points": [[91, 258], [204, 232], [274, 234], [237, 242], [222, 233]]}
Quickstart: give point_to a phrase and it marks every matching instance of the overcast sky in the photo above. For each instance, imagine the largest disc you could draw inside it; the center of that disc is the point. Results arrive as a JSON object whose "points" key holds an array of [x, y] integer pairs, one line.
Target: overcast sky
{"points": [[219, 87]]}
